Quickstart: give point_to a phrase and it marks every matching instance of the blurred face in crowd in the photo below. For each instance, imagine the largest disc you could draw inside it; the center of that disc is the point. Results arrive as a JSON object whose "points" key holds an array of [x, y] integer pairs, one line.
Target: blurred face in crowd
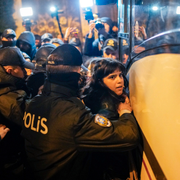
{"points": [[109, 53], [115, 82], [45, 42], [38, 43], [106, 26], [125, 58], [16, 71], [9, 41], [9, 38], [24, 47], [101, 30]]}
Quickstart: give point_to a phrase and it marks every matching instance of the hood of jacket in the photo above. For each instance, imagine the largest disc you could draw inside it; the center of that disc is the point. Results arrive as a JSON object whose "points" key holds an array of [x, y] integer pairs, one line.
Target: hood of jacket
{"points": [[29, 38]]}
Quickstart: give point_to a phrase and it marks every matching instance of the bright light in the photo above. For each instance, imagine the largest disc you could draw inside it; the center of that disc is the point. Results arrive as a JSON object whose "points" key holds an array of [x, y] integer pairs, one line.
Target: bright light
{"points": [[86, 3], [52, 9], [178, 10], [26, 11], [155, 8]]}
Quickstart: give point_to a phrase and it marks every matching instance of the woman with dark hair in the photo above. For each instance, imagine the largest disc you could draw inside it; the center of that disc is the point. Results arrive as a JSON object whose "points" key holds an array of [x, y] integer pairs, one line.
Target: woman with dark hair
{"points": [[106, 87], [105, 94]]}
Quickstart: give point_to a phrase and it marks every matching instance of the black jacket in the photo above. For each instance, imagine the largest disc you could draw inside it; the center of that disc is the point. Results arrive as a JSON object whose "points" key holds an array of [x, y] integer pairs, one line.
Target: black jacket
{"points": [[12, 106], [61, 133], [108, 165]]}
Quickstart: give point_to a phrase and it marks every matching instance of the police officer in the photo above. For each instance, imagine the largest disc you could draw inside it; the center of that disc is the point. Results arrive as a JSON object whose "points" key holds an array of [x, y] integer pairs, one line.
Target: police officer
{"points": [[46, 38], [110, 49], [13, 93], [61, 133]]}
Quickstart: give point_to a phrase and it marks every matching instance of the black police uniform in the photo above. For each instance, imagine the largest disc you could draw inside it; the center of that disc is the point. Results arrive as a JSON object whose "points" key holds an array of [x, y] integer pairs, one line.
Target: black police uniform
{"points": [[13, 94], [12, 106], [60, 132]]}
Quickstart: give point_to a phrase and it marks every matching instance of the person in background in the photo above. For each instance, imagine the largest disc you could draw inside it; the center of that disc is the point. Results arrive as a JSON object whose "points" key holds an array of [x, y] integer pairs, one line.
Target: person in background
{"points": [[91, 66], [8, 38], [38, 76], [57, 42], [0, 39], [13, 94], [167, 39], [83, 77], [125, 55], [37, 41], [75, 41], [26, 43], [68, 33], [46, 38], [3, 131], [108, 24], [121, 25], [111, 49], [65, 132], [139, 36], [92, 46], [115, 30]]}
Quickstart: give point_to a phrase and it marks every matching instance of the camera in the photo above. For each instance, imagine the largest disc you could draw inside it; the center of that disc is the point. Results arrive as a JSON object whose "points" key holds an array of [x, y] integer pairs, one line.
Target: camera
{"points": [[88, 14], [98, 24]]}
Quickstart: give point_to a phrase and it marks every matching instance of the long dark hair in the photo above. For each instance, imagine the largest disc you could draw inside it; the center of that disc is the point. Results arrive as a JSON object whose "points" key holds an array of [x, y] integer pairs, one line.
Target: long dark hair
{"points": [[95, 87]]}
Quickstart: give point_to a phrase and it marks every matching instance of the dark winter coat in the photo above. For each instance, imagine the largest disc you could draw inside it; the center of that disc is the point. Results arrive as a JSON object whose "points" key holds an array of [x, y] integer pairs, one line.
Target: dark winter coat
{"points": [[12, 106]]}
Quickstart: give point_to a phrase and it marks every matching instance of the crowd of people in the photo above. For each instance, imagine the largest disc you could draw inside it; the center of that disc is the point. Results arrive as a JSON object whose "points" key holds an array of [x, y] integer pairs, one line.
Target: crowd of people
{"points": [[62, 117]]}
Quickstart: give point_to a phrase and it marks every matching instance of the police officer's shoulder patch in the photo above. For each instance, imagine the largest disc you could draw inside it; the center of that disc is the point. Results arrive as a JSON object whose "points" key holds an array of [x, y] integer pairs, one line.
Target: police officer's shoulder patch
{"points": [[102, 121]]}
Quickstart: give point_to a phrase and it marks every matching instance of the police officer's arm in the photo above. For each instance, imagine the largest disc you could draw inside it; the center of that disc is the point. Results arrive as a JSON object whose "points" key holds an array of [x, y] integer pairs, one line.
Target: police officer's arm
{"points": [[98, 133], [13, 106]]}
